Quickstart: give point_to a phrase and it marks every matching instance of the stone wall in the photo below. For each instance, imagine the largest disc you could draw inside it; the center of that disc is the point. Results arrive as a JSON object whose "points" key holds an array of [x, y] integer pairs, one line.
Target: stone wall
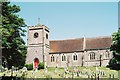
{"points": [[38, 47], [34, 52], [105, 54], [83, 58]]}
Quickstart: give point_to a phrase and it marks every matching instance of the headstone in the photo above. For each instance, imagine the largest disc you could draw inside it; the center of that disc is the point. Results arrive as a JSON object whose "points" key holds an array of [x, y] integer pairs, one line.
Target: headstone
{"points": [[12, 68], [95, 76], [32, 73], [86, 73], [103, 73], [100, 73], [24, 69], [98, 77], [113, 76], [74, 68], [46, 70], [88, 76], [72, 75], [6, 69], [55, 70], [4, 74], [78, 73], [66, 68], [91, 77], [109, 75], [97, 69]]}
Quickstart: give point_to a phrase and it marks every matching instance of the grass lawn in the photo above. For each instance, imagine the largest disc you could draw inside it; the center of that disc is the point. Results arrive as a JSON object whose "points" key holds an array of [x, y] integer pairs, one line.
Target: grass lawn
{"points": [[85, 72]]}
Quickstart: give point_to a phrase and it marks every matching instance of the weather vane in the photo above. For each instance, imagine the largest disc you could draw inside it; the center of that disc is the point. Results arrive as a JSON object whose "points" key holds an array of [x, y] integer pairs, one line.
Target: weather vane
{"points": [[38, 21]]}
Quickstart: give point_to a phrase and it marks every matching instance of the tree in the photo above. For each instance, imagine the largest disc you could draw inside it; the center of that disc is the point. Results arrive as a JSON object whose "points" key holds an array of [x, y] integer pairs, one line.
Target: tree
{"points": [[13, 46], [115, 48]]}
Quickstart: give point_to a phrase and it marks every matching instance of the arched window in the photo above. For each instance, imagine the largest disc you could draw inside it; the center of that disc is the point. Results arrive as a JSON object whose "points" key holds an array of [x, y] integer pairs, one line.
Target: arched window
{"points": [[92, 55], [108, 54], [52, 58], [75, 57], [63, 57]]}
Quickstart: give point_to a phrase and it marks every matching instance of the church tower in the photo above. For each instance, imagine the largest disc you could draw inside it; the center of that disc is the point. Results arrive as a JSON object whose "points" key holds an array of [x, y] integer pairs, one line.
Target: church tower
{"points": [[38, 45]]}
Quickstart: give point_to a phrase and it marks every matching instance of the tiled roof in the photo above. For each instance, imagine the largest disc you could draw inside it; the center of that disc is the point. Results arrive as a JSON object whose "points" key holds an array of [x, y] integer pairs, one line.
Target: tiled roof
{"points": [[69, 45], [72, 45], [98, 42]]}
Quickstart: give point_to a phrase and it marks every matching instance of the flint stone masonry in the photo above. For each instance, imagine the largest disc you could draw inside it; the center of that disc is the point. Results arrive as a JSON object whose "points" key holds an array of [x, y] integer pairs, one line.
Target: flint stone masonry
{"points": [[88, 51]]}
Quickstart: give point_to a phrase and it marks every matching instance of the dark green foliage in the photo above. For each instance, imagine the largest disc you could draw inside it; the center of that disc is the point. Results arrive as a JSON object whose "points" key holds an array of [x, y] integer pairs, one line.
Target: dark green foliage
{"points": [[29, 66], [13, 46], [115, 48], [113, 64], [41, 65]]}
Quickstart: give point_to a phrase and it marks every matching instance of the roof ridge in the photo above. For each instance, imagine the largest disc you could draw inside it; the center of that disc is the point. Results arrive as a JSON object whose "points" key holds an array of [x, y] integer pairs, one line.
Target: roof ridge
{"points": [[83, 38], [99, 37], [68, 39]]}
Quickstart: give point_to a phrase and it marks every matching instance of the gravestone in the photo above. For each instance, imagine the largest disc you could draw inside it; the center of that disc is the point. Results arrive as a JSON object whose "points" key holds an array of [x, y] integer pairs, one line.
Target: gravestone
{"points": [[12, 68], [74, 69], [65, 69], [113, 76], [24, 69], [78, 73], [72, 75], [109, 75], [86, 73], [91, 77], [12, 71], [88, 76], [46, 70], [32, 73], [98, 77], [55, 70], [95, 76], [97, 70]]}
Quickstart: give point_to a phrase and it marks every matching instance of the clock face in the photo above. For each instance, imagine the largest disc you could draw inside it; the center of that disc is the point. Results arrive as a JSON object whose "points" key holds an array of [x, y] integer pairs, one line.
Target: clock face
{"points": [[36, 35]]}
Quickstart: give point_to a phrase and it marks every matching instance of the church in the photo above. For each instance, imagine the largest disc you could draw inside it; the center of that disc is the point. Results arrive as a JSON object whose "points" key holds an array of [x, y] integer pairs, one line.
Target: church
{"points": [[66, 53]]}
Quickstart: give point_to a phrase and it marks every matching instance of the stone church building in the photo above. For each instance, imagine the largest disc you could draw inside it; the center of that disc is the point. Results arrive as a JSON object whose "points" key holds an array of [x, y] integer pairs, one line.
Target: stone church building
{"points": [[64, 53]]}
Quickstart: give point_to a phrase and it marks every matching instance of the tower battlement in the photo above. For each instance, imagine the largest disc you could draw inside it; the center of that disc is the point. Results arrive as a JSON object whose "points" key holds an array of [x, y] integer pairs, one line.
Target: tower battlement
{"points": [[38, 26]]}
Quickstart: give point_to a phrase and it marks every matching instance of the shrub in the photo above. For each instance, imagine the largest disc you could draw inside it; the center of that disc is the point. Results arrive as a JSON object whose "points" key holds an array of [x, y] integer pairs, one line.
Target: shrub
{"points": [[41, 65], [114, 64], [20, 67], [29, 66]]}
